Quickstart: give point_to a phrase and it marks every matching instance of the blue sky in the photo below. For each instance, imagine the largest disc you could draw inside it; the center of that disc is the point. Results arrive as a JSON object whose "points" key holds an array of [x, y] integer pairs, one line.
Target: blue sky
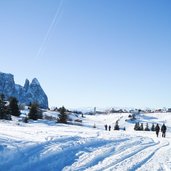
{"points": [[90, 53]]}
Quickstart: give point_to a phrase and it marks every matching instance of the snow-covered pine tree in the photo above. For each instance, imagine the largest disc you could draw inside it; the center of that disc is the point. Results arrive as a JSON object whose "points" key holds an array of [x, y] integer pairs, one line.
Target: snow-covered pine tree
{"points": [[147, 128], [137, 126], [62, 116], [153, 127], [4, 112], [116, 127], [33, 114], [13, 107], [141, 127]]}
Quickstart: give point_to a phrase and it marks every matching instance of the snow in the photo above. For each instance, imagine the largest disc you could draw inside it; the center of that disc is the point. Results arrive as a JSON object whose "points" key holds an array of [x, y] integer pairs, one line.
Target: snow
{"points": [[49, 146]]}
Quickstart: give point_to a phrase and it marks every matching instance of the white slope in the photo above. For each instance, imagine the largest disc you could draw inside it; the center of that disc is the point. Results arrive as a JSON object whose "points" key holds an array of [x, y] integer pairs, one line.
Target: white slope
{"points": [[47, 146]]}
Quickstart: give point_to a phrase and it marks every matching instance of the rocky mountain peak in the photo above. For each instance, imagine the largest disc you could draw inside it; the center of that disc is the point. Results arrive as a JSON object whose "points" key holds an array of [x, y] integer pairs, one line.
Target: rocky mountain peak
{"points": [[35, 82], [29, 93], [26, 85]]}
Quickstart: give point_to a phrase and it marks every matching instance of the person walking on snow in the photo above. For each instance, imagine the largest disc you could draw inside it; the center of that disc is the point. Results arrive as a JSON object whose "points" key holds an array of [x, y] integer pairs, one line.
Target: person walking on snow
{"points": [[157, 130], [163, 130], [109, 127], [105, 127]]}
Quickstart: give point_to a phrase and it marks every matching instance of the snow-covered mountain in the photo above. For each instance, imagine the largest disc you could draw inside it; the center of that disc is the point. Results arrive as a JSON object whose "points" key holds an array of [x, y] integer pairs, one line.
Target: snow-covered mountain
{"points": [[30, 92], [49, 146]]}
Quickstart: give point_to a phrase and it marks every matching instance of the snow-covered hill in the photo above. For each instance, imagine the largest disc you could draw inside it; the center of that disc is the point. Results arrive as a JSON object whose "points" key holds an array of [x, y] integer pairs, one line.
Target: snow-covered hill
{"points": [[48, 146]]}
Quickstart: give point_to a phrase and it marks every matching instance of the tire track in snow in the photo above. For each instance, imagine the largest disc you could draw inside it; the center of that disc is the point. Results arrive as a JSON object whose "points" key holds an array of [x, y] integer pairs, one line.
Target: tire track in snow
{"points": [[120, 156], [161, 159], [94, 157], [146, 159], [137, 160], [88, 147], [87, 159], [36, 155]]}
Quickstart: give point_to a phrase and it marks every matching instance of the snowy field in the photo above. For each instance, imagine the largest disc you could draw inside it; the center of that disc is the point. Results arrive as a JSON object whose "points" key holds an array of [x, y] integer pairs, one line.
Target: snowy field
{"points": [[47, 146]]}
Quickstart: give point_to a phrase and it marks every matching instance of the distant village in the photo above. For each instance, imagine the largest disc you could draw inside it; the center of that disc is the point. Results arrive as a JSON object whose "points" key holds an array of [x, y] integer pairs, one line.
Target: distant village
{"points": [[114, 110]]}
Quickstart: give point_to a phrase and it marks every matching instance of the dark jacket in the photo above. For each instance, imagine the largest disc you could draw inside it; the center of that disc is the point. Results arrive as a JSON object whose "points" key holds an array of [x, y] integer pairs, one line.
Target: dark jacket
{"points": [[157, 128], [163, 128]]}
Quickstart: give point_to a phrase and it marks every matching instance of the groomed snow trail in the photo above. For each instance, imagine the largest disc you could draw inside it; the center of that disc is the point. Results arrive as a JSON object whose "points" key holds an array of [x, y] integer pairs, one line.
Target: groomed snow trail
{"points": [[130, 155], [57, 147]]}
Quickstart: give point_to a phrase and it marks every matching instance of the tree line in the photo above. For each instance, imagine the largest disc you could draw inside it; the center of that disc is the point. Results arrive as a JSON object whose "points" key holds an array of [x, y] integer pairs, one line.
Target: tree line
{"points": [[11, 108], [140, 127]]}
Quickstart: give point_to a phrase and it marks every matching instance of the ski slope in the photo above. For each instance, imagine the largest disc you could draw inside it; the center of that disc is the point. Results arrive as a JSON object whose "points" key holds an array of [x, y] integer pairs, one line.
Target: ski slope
{"points": [[47, 146]]}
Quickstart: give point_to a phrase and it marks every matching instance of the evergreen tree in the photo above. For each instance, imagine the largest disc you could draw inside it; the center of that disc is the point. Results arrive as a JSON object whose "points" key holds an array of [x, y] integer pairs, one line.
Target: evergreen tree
{"points": [[33, 114], [13, 107], [62, 116], [137, 126], [147, 128], [141, 127], [4, 112], [153, 127], [116, 127]]}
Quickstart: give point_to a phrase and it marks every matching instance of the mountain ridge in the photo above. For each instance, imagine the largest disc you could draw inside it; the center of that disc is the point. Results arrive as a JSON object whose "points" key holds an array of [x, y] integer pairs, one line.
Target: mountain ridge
{"points": [[29, 93]]}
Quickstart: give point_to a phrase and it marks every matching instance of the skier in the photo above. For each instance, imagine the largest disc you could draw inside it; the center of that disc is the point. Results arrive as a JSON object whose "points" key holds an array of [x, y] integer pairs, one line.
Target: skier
{"points": [[157, 129], [163, 130]]}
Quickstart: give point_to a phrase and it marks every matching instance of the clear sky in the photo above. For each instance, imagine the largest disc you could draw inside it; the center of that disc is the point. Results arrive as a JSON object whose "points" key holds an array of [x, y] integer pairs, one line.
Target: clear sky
{"points": [[90, 52]]}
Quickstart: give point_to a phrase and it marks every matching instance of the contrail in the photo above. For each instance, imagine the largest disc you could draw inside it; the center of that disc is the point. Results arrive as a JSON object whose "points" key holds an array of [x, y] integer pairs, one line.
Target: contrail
{"points": [[51, 26]]}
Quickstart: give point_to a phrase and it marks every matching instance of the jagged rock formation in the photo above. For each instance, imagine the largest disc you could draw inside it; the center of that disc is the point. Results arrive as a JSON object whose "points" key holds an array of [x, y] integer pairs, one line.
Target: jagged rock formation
{"points": [[29, 93]]}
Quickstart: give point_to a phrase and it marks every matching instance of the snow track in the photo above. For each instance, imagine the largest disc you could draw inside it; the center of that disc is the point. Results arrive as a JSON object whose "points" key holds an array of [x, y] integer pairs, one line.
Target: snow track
{"points": [[120, 157], [91, 154], [40, 147], [137, 158]]}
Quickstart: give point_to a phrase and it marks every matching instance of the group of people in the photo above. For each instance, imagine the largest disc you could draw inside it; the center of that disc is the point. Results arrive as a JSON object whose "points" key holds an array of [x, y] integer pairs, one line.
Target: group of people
{"points": [[157, 129], [107, 127], [163, 130]]}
